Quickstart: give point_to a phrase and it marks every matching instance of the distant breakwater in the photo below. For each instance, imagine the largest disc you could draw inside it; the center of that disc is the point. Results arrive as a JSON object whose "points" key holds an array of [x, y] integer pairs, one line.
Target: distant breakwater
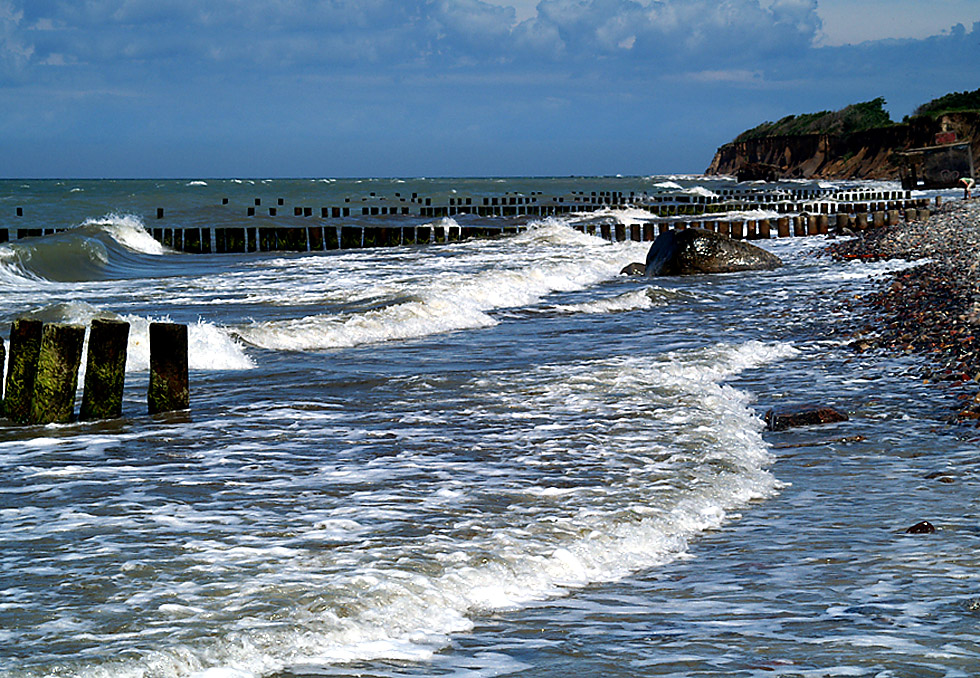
{"points": [[390, 221]]}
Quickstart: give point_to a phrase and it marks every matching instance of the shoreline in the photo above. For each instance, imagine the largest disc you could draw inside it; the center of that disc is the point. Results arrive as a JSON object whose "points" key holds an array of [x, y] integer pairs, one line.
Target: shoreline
{"points": [[931, 309]]}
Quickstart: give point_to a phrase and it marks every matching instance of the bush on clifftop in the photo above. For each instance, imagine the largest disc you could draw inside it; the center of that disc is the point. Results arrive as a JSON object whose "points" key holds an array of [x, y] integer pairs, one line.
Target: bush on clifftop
{"points": [[853, 118], [948, 103]]}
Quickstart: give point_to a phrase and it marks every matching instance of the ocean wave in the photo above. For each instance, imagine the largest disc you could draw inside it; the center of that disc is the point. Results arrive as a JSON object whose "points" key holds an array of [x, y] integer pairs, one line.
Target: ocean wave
{"points": [[126, 229], [444, 301], [209, 347], [634, 300], [670, 452]]}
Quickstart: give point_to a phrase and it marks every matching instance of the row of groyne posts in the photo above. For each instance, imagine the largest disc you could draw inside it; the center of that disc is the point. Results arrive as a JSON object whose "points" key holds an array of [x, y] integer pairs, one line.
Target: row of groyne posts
{"points": [[42, 378], [810, 211]]}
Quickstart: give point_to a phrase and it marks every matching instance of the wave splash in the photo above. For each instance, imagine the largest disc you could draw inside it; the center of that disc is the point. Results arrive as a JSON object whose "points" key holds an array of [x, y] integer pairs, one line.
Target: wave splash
{"points": [[459, 293], [702, 456], [96, 249]]}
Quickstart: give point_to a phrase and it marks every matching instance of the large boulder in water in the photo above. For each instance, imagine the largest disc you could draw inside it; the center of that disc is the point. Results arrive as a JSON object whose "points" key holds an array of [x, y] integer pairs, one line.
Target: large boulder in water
{"points": [[695, 250]]}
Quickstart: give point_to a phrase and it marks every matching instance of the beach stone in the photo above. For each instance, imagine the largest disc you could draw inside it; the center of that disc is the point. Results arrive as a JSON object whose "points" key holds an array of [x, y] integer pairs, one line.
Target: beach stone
{"points": [[694, 250], [925, 527], [636, 268], [805, 416]]}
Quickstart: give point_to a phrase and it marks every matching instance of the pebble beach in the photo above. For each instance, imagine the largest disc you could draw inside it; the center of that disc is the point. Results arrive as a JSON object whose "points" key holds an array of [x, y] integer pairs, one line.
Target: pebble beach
{"points": [[932, 309]]}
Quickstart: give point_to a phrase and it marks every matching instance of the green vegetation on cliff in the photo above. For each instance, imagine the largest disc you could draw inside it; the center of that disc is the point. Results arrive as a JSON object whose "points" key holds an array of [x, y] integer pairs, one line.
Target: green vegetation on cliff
{"points": [[853, 118], [950, 103]]}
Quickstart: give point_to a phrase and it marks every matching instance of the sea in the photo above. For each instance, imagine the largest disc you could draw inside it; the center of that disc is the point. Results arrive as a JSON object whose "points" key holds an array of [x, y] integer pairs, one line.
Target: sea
{"points": [[496, 457]]}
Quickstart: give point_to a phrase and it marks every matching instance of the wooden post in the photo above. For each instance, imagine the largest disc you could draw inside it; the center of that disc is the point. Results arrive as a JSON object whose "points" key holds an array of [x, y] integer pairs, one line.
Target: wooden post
{"points": [[168, 389], [823, 224], [811, 225], [861, 221], [105, 370], [764, 230], [3, 361], [25, 345], [57, 374], [782, 227]]}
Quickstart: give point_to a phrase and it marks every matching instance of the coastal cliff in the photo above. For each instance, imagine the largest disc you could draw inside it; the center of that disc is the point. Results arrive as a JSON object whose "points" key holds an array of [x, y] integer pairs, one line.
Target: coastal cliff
{"points": [[840, 153]]}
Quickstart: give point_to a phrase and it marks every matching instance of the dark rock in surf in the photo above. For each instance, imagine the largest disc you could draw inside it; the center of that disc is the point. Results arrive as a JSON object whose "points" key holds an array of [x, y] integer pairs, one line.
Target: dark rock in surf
{"points": [[925, 527], [695, 250], [636, 268], [806, 416]]}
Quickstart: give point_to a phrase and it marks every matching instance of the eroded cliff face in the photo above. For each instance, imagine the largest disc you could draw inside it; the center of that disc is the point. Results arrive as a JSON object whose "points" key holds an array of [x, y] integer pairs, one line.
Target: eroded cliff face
{"points": [[861, 155]]}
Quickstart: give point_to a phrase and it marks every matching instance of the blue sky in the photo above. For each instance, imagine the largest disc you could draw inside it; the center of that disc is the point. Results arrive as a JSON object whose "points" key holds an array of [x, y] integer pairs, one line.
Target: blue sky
{"points": [[266, 88]]}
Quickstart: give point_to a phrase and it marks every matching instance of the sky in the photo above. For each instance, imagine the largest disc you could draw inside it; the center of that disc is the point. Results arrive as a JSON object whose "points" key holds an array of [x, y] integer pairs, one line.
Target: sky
{"points": [[343, 88]]}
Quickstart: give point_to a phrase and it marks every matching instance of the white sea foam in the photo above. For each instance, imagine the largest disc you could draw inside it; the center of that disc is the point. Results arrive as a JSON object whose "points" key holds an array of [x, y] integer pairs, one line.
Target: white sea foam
{"points": [[457, 293], [196, 183], [209, 347], [630, 301], [636, 502]]}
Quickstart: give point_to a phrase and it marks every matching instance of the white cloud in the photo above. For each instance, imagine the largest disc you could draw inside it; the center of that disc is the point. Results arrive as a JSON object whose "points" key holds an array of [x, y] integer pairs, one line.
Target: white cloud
{"points": [[15, 51]]}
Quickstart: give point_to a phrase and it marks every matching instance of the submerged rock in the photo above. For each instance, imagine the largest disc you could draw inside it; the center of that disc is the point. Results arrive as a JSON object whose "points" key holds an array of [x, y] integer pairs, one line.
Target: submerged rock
{"points": [[925, 527], [695, 250], [806, 416]]}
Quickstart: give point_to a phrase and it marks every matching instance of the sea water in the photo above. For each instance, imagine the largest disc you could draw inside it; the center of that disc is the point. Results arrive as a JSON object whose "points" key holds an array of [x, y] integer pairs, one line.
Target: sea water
{"points": [[494, 457]]}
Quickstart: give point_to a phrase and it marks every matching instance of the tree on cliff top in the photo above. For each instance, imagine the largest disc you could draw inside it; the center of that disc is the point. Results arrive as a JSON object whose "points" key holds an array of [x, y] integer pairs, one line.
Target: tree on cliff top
{"points": [[853, 118], [956, 101]]}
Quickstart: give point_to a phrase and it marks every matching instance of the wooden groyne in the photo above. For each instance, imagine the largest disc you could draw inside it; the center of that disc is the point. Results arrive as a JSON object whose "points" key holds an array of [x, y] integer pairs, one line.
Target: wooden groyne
{"points": [[382, 221], [42, 378]]}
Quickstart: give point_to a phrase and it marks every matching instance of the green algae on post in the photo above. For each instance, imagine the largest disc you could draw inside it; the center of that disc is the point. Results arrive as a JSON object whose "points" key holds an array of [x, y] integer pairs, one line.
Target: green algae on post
{"points": [[105, 370], [57, 374], [168, 389], [25, 345]]}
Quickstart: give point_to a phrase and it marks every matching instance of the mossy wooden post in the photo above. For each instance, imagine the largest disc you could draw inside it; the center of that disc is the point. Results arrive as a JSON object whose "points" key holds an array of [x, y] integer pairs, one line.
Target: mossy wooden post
{"points": [[168, 390], [105, 370], [3, 359], [57, 374], [25, 345]]}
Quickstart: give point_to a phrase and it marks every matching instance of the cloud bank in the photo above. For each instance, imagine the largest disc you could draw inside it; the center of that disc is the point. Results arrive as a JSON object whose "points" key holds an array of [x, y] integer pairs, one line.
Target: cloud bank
{"points": [[101, 73]]}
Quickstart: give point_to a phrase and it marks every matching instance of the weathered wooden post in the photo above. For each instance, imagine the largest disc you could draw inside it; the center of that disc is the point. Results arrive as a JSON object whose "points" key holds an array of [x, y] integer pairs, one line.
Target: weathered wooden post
{"points": [[25, 345], [168, 389], [861, 221], [105, 370], [924, 214], [799, 226], [823, 224], [56, 381], [782, 227], [3, 361], [764, 229]]}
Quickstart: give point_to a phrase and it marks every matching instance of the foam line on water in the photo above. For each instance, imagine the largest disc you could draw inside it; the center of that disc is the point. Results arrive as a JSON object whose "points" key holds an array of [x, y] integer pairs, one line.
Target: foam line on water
{"points": [[456, 292]]}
